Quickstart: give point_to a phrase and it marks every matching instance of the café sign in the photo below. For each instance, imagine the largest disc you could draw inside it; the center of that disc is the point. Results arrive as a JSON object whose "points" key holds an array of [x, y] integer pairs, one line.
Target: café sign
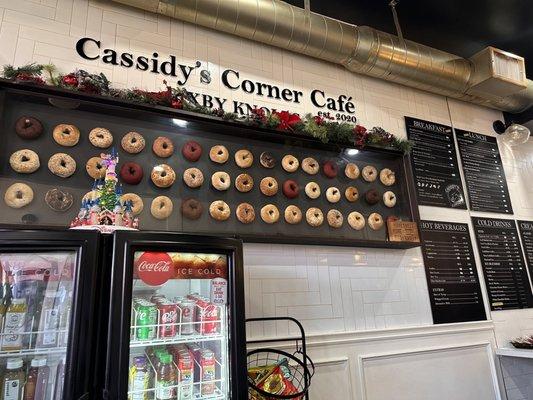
{"points": [[341, 107]]}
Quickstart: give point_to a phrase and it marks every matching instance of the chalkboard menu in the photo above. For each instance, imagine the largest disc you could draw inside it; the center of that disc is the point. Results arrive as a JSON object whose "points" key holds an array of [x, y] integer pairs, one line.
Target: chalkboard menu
{"points": [[503, 263], [453, 282], [484, 174], [526, 234], [435, 165]]}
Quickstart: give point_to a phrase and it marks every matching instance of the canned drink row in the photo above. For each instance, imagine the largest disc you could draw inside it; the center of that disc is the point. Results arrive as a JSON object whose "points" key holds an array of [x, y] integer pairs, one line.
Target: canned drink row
{"points": [[163, 318]]}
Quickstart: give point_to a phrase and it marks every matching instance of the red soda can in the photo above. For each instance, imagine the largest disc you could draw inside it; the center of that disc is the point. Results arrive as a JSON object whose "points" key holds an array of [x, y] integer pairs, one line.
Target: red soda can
{"points": [[207, 317], [168, 319]]}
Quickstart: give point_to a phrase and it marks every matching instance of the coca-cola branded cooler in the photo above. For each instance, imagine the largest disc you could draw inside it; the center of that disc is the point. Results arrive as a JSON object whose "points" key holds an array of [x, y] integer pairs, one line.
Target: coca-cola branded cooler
{"points": [[131, 315], [47, 315], [176, 318]]}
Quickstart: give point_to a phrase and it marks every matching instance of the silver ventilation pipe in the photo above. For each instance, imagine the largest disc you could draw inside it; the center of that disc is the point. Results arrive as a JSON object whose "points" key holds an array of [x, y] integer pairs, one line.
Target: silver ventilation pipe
{"points": [[360, 49]]}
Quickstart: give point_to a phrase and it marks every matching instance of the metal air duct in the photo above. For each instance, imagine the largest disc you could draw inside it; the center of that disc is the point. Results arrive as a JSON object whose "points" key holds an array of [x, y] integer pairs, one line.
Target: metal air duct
{"points": [[360, 49]]}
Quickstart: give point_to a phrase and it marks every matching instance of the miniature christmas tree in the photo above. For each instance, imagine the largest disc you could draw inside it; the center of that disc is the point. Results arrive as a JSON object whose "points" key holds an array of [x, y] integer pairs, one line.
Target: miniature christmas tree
{"points": [[108, 193]]}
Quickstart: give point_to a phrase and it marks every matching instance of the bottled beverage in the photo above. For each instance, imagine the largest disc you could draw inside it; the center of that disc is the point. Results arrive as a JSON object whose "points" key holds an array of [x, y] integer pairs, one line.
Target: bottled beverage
{"points": [[64, 320], [185, 376], [49, 320], [13, 380], [60, 379], [14, 325], [37, 381], [5, 289], [208, 368], [139, 379], [165, 379], [146, 319]]}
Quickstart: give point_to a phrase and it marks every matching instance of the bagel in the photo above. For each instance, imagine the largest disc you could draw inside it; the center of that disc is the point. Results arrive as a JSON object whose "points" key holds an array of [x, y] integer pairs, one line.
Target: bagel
{"points": [[221, 180], [101, 138], [293, 215], [18, 195], [244, 183], [335, 218], [375, 221], [351, 171], [24, 161], [161, 207], [356, 220], [219, 210], [62, 165], [270, 214], [163, 175], [290, 163], [244, 158], [245, 213], [133, 142], [387, 177], [310, 166], [369, 173], [193, 177], [389, 198], [219, 154], [314, 216], [66, 135], [268, 186], [333, 194], [312, 190]]}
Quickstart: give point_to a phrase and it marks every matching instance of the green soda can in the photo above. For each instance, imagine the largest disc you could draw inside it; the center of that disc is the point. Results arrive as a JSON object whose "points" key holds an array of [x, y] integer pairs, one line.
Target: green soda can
{"points": [[146, 315]]}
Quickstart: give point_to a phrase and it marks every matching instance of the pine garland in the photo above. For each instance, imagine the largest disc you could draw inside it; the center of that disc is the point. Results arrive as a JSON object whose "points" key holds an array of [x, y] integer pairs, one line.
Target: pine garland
{"points": [[179, 98]]}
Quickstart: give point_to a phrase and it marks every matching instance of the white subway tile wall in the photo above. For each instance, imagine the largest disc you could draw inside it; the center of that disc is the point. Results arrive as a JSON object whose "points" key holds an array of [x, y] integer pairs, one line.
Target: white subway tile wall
{"points": [[334, 289]]}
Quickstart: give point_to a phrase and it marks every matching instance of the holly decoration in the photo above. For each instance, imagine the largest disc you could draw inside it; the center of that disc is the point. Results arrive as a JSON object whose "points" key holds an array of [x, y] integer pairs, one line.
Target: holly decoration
{"points": [[317, 127]]}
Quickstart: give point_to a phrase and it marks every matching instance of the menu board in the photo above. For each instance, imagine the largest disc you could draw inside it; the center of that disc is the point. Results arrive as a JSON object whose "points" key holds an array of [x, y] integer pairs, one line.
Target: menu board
{"points": [[435, 166], [484, 174], [453, 281], [526, 234], [503, 263]]}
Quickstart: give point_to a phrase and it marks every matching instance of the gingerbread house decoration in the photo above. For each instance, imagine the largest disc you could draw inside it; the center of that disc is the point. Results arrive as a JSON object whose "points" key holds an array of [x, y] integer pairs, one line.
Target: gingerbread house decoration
{"points": [[102, 207]]}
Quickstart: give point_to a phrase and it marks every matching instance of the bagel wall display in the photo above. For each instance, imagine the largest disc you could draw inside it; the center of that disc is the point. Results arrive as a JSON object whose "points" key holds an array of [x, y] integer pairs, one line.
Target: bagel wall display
{"points": [[199, 176]]}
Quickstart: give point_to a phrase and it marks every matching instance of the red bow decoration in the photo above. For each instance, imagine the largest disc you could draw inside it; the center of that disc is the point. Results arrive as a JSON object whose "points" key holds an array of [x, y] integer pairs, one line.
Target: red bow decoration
{"points": [[361, 135], [69, 80], [287, 120], [318, 120]]}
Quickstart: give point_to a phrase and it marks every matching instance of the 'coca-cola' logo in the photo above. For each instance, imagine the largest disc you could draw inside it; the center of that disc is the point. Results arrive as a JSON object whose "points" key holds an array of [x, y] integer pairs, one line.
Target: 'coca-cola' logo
{"points": [[154, 268]]}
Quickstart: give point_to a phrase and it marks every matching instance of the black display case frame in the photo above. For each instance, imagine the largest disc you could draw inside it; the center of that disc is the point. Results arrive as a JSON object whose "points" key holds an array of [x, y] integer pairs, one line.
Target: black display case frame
{"points": [[110, 106], [125, 244]]}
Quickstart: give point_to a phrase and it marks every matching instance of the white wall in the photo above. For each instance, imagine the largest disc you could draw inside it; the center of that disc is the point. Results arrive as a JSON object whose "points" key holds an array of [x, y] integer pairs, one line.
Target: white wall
{"points": [[364, 309]]}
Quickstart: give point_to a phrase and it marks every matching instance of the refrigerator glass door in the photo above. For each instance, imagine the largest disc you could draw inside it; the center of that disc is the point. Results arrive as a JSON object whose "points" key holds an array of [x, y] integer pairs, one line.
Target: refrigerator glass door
{"points": [[36, 302], [179, 327]]}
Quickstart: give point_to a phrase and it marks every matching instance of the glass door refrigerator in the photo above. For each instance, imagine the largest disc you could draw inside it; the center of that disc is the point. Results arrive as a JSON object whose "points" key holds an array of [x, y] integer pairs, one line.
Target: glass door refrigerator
{"points": [[47, 291], [176, 318]]}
